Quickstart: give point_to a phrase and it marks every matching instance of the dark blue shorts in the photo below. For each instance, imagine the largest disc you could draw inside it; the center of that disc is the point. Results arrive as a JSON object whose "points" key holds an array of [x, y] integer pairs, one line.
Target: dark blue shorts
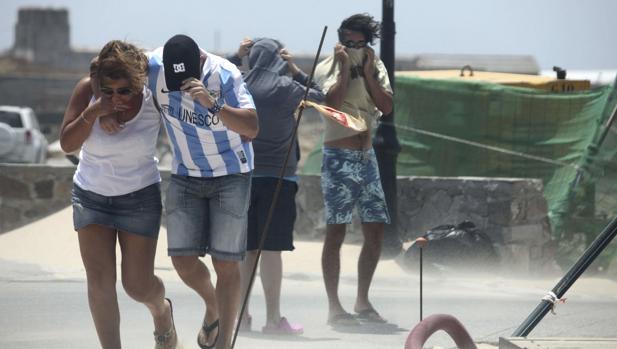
{"points": [[280, 232], [138, 212]]}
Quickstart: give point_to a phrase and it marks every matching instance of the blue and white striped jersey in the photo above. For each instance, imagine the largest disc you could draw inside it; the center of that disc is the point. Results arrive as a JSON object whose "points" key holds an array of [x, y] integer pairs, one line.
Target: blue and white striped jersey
{"points": [[202, 146]]}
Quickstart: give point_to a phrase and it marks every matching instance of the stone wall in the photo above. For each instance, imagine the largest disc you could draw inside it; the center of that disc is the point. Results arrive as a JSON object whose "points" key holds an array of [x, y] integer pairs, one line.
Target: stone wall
{"points": [[31, 192], [512, 212]]}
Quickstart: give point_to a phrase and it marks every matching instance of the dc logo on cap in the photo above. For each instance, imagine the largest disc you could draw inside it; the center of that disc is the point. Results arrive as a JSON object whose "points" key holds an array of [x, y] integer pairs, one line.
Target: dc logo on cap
{"points": [[179, 68]]}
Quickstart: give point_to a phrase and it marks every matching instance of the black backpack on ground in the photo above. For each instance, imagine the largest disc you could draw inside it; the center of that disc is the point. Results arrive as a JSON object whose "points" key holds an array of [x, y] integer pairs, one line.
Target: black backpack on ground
{"points": [[454, 247]]}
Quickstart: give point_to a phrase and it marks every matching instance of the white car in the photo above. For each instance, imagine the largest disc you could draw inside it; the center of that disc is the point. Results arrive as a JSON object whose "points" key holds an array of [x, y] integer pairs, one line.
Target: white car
{"points": [[21, 139]]}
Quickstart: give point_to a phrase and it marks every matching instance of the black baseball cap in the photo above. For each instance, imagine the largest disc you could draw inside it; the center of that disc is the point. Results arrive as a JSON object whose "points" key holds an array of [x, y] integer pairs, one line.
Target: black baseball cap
{"points": [[180, 61]]}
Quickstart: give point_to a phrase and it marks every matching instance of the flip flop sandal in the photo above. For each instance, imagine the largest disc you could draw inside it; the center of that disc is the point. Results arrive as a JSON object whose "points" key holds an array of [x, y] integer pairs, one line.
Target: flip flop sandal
{"points": [[343, 319], [207, 329], [170, 338], [370, 315]]}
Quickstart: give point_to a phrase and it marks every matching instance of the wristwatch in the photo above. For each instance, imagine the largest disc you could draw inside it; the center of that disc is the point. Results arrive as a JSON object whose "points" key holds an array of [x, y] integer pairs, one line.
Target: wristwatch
{"points": [[216, 107]]}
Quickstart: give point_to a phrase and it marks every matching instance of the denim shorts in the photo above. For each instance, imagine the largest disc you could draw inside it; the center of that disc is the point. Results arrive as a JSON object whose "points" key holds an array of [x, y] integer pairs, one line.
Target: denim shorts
{"points": [[138, 212], [281, 228], [350, 178], [208, 215]]}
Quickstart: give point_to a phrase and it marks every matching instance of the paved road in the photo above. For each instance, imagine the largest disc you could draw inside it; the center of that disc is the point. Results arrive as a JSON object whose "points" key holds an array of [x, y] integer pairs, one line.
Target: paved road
{"points": [[43, 302], [41, 311]]}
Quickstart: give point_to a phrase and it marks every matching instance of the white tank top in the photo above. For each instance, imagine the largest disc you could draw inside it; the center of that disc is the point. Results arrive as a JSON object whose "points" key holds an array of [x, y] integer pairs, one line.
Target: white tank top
{"points": [[123, 162]]}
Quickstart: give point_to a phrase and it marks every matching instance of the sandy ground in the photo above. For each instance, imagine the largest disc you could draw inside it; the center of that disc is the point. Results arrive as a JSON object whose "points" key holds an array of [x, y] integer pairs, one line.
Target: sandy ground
{"points": [[51, 245], [40, 263]]}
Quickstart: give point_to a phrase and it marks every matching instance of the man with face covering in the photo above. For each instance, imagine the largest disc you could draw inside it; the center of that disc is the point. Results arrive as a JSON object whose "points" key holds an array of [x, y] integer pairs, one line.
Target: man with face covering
{"points": [[209, 115], [276, 96], [356, 82]]}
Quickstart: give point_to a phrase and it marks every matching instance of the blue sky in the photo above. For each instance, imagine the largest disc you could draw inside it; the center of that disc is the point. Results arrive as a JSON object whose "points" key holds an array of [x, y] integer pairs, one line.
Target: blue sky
{"points": [[574, 34]]}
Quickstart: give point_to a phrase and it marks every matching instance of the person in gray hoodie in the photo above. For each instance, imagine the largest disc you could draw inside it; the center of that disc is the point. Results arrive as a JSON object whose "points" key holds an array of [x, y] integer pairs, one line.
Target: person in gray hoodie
{"points": [[277, 95]]}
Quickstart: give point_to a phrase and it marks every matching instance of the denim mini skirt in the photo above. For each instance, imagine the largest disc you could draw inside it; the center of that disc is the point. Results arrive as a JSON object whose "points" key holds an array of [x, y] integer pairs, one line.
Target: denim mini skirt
{"points": [[138, 212]]}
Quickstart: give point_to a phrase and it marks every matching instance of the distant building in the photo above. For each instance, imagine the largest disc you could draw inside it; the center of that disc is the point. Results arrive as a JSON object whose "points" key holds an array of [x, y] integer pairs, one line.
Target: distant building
{"points": [[42, 37], [43, 63], [517, 64], [41, 69]]}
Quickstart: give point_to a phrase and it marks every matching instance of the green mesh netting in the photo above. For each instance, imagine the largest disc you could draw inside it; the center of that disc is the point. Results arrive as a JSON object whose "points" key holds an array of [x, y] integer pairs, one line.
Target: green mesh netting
{"points": [[490, 130]]}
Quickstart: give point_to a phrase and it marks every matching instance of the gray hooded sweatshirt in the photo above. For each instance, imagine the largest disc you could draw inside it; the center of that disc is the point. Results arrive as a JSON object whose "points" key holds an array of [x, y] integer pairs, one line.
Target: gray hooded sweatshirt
{"points": [[276, 98]]}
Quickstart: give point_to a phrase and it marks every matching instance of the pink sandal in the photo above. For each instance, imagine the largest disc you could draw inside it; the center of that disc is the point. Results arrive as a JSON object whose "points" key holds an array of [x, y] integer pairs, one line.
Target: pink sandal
{"points": [[283, 328]]}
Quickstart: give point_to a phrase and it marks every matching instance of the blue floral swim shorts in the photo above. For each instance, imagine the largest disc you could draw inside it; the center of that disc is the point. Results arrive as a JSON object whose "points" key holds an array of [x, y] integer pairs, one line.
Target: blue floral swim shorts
{"points": [[350, 178]]}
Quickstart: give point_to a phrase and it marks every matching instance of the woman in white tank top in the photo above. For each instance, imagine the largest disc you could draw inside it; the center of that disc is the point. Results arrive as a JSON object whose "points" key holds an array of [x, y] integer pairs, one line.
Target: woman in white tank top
{"points": [[116, 193]]}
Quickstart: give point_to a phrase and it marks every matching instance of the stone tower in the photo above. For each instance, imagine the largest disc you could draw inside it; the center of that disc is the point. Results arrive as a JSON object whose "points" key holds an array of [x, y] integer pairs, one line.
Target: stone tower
{"points": [[42, 36]]}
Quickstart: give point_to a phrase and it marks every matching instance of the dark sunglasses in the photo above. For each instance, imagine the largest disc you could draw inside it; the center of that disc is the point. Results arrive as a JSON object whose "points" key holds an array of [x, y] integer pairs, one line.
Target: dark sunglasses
{"points": [[354, 44], [122, 91]]}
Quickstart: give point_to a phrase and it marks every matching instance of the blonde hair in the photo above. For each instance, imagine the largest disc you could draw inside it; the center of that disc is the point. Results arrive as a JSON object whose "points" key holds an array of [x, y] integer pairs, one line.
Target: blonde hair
{"points": [[122, 60]]}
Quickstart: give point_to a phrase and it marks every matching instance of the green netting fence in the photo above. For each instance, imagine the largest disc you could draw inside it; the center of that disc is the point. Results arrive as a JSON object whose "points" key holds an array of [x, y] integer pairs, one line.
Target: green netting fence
{"points": [[461, 128]]}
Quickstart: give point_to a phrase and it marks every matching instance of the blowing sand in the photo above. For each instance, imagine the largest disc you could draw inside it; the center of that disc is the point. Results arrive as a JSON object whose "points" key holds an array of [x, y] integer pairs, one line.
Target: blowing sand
{"points": [[51, 245]]}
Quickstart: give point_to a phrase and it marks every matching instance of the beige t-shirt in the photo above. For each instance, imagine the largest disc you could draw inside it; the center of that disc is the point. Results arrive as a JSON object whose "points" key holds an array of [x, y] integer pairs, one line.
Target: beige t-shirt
{"points": [[357, 102]]}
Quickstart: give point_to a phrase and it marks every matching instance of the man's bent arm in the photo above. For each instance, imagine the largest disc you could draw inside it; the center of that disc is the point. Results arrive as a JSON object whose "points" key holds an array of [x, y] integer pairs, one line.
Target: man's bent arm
{"points": [[336, 94], [239, 120]]}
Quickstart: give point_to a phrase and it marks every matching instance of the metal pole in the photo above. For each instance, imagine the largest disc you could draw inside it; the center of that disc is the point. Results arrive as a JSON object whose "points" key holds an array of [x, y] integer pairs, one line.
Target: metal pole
{"points": [[421, 283], [421, 242], [385, 142], [596, 247]]}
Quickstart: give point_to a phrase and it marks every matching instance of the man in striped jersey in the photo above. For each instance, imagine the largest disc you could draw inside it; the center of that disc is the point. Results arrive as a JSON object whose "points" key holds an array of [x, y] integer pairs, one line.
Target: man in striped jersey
{"points": [[210, 117]]}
